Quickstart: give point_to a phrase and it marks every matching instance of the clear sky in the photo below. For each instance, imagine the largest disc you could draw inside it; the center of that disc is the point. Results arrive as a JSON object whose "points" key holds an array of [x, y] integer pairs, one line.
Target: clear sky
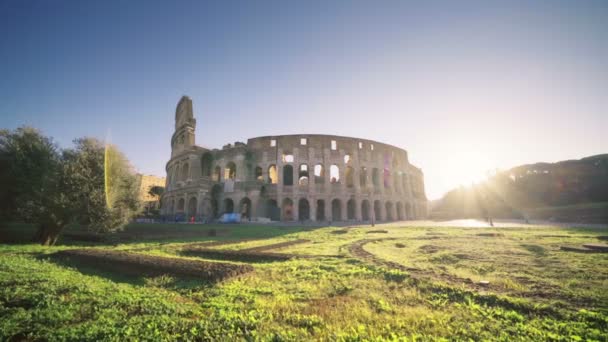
{"points": [[464, 86]]}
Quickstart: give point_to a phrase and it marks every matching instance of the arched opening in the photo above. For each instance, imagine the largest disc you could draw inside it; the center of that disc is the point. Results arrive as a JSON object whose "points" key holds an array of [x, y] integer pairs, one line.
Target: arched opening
{"points": [[365, 210], [272, 210], [320, 210], [273, 176], [350, 209], [404, 183], [336, 210], [287, 210], [206, 164], [216, 174], [303, 175], [376, 178], [245, 208], [389, 211], [347, 159], [377, 210], [363, 177], [400, 211], [387, 178], [216, 191], [192, 208], [319, 174], [228, 206], [287, 175], [334, 174], [258, 174], [396, 186], [230, 171], [180, 205], [408, 212], [172, 208], [350, 177], [185, 172], [303, 210]]}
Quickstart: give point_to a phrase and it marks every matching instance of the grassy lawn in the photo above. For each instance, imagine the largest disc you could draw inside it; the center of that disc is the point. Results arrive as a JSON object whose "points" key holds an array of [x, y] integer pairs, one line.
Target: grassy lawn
{"points": [[409, 283]]}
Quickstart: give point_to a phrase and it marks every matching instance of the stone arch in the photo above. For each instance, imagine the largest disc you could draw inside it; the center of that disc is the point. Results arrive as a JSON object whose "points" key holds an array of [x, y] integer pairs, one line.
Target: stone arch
{"points": [[320, 210], [206, 164], [287, 175], [245, 208], [404, 183], [287, 210], [400, 213], [396, 186], [181, 204], [273, 211], [387, 179], [172, 208], [336, 210], [216, 192], [185, 172], [303, 210], [217, 173], [389, 211], [319, 172], [365, 210], [228, 206], [334, 174], [377, 210], [363, 177], [230, 171], [408, 211], [376, 177], [273, 175], [192, 206], [351, 209], [303, 175], [350, 175], [258, 174]]}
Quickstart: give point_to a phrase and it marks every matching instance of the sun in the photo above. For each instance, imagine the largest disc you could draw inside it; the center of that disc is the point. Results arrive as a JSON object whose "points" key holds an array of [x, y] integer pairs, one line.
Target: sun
{"points": [[466, 168]]}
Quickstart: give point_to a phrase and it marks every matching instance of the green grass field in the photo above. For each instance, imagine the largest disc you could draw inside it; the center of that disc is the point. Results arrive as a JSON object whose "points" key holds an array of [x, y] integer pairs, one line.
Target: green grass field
{"points": [[408, 283]]}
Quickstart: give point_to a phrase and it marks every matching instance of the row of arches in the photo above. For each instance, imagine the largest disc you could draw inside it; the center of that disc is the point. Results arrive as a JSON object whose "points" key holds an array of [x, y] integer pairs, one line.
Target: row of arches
{"points": [[368, 210], [375, 178]]}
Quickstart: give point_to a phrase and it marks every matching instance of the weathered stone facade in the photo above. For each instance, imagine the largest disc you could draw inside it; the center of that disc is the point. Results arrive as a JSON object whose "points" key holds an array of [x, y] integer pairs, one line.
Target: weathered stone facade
{"points": [[290, 177]]}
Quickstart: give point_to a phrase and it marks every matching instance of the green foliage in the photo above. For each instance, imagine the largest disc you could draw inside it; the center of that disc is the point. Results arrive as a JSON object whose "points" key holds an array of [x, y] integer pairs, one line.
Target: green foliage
{"points": [[108, 187], [53, 188], [30, 171]]}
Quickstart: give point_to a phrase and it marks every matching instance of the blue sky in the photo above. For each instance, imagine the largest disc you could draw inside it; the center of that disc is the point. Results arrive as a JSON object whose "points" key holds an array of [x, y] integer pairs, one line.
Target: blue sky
{"points": [[464, 86]]}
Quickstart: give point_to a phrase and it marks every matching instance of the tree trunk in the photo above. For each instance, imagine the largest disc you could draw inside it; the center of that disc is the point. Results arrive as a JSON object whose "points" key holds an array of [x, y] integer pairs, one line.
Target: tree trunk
{"points": [[48, 233]]}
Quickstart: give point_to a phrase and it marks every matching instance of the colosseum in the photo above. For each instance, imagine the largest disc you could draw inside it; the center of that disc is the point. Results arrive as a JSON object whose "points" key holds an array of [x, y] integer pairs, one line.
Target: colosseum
{"points": [[299, 177]]}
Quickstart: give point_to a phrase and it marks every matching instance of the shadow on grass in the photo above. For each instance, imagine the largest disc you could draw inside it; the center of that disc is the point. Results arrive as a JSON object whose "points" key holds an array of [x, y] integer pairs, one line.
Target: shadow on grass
{"points": [[136, 233], [166, 281]]}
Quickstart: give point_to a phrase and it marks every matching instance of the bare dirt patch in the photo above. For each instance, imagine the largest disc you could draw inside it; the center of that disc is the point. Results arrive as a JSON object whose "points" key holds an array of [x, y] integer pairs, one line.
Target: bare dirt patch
{"points": [[491, 234], [243, 256], [149, 265], [275, 246], [381, 231], [429, 249]]}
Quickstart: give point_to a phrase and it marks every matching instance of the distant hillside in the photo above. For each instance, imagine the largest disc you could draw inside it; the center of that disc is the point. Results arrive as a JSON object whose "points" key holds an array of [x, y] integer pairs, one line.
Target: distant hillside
{"points": [[566, 190]]}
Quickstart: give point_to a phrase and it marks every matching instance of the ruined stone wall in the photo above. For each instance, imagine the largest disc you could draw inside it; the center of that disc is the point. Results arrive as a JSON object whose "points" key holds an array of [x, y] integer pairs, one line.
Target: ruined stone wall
{"points": [[360, 180], [276, 177]]}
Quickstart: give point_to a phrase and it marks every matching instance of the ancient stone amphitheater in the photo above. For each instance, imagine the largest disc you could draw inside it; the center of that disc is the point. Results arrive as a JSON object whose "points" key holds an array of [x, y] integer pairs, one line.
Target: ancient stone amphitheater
{"points": [[304, 177]]}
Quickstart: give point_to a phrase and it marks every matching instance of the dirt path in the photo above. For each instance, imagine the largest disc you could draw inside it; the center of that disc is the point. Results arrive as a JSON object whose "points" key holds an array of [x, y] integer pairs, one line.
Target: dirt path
{"points": [[357, 250]]}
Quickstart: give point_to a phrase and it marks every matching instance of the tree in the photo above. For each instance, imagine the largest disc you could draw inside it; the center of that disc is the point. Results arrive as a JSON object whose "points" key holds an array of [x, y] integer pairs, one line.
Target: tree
{"points": [[102, 184], [156, 191], [31, 176], [89, 184]]}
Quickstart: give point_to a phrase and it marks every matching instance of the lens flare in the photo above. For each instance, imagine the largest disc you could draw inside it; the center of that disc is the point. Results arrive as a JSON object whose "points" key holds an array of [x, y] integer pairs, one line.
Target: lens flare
{"points": [[106, 173]]}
